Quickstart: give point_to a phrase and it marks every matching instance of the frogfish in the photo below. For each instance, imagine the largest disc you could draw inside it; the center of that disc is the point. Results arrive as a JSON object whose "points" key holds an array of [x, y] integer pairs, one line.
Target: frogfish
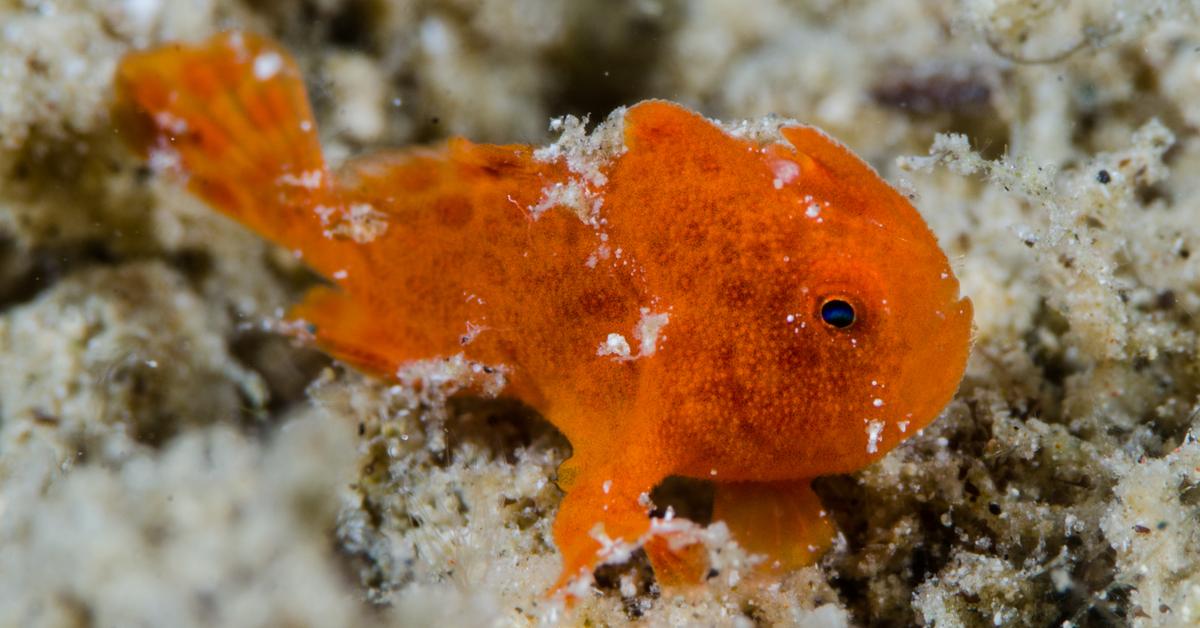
{"points": [[749, 305]]}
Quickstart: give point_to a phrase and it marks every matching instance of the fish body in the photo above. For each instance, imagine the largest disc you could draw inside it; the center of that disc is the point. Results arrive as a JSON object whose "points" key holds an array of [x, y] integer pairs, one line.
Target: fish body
{"points": [[676, 297]]}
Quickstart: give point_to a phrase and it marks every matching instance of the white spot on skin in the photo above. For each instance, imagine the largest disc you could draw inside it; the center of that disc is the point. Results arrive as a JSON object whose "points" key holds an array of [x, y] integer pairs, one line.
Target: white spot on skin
{"points": [[170, 123], [791, 318], [616, 346], [874, 434], [362, 223], [586, 156], [813, 210], [310, 180], [237, 44], [441, 377], [648, 328], [646, 333], [267, 65], [903, 425], [785, 172], [601, 253], [577, 197], [473, 331], [606, 487], [324, 214], [340, 275], [878, 403], [305, 126]]}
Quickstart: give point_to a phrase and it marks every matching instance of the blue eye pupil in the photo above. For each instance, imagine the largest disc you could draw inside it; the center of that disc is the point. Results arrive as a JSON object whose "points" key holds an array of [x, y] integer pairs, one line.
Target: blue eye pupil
{"points": [[837, 313]]}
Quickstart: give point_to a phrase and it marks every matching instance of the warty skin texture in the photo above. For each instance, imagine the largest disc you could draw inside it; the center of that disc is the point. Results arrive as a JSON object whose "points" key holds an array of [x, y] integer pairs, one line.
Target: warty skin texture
{"points": [[709, 255]]}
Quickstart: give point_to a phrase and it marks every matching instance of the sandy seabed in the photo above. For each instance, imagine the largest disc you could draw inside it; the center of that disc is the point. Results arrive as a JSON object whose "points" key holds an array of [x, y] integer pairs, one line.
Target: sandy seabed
{"points": [[167, 459]]}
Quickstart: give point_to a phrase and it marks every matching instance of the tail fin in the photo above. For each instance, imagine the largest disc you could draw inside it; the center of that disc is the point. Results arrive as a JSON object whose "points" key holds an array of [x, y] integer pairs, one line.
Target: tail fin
{"points": [[230, 114]]}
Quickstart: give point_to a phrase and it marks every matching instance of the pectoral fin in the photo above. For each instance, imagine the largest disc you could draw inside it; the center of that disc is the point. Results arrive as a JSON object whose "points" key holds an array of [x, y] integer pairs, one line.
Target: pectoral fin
{"points": [[677, 562], [348, 329], [783, 520], [604, 512]]}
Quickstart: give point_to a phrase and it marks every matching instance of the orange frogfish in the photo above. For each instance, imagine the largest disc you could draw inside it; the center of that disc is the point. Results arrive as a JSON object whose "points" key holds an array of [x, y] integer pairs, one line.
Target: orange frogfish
{"points": [[749, 305]]}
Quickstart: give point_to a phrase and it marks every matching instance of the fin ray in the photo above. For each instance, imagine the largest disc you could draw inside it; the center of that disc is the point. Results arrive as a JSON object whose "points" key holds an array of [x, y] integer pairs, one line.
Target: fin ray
{"points": [[231, 113]]}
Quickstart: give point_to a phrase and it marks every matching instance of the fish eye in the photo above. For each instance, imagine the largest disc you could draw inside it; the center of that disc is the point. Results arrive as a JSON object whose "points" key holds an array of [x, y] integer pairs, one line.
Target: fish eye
{"points": [[838, 313]]}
